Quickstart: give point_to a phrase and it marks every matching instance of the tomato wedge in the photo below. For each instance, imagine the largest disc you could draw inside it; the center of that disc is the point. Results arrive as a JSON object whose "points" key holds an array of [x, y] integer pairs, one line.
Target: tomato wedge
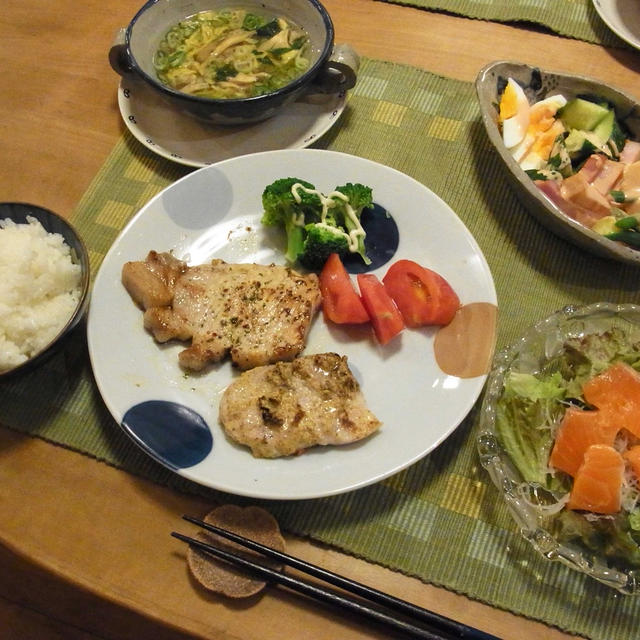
{"points": [[423, 296], [340, 302], [386, 319]]}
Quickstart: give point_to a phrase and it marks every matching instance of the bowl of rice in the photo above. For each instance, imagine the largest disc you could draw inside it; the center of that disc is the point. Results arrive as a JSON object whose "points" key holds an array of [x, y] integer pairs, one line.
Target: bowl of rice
{"points": [[44, 285]]}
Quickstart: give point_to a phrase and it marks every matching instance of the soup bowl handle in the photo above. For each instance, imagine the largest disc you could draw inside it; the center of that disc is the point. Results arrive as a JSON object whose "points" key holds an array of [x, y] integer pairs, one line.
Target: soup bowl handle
{"points": [[118, 56], [339, 73]]}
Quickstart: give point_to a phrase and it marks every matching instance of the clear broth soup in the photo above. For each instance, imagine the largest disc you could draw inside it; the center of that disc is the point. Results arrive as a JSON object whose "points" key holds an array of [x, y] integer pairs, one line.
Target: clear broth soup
{"points": [[231, 54]]}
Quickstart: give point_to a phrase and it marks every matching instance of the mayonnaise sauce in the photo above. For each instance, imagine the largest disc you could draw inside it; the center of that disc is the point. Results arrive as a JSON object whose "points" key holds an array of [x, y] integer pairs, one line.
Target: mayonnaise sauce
{"points": [[329, 202]]}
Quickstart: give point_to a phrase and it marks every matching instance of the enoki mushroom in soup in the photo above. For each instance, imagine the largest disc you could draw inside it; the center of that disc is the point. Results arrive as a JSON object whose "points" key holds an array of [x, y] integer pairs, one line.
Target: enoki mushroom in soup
{"points": [[231, 54]]}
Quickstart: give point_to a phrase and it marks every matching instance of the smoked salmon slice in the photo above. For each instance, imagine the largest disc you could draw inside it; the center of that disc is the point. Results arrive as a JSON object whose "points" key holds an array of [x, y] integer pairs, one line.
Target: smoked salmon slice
{"points": [[617, 390], [578, 431], [616, 395], [598, 482]]}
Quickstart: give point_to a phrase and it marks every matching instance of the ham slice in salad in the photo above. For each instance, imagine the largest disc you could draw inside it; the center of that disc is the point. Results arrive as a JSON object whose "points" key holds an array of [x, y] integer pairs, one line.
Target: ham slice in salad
{"points": [[586, 195]]}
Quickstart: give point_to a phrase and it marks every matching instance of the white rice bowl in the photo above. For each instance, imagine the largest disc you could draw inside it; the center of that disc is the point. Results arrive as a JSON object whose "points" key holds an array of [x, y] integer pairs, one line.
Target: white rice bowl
{"points": [[39, 289]]}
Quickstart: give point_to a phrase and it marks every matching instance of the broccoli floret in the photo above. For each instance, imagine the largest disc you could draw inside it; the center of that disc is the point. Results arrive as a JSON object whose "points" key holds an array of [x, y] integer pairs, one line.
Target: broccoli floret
{"points": [[313, 231], [322, 241], [282, 209], [360, 197]]}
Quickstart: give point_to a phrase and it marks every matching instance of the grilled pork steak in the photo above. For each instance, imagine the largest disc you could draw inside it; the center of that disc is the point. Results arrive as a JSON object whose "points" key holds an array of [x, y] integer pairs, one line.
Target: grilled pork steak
{"points": [[257, 314], [285, 408]]}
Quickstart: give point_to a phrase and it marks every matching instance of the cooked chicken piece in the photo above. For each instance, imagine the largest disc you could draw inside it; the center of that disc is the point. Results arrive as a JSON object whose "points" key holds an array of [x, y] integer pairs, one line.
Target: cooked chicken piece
{"points": [[285, 408], [151, 283], [257, 314]]}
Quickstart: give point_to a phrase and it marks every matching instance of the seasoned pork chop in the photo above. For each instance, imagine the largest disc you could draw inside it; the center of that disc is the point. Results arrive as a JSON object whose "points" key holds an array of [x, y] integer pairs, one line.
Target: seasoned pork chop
{"points": [[285, 408], [257, 314]]}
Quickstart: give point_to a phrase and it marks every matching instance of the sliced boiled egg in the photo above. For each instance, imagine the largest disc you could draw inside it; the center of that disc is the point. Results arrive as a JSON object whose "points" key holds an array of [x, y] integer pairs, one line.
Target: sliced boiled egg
{"points": [[541, 127], [523, 147], [542, 115], [540, 150], [549, 106], [514, 114]]}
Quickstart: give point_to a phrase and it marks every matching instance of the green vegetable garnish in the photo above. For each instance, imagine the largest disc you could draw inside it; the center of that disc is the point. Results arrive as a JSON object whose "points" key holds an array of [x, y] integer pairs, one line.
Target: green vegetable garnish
{"points": [[534, 174], [251, 21], [269, 29], [632, 238], [628, 222], [528, 400]]}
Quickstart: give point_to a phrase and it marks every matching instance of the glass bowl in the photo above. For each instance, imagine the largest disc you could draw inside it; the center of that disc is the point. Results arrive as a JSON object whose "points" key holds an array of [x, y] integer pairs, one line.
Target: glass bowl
{"points": [[19, 212], [528, 355]]}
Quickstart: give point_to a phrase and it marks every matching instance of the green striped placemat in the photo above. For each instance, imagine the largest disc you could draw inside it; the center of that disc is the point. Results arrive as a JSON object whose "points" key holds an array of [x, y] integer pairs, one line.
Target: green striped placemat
{"points": [[571, 18], [439, 520]]}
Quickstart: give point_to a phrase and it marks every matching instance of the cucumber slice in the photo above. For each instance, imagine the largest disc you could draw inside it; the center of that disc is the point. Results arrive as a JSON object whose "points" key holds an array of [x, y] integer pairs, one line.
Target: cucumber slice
{"points": [[582, 114], [580, 144], [610, 132]]}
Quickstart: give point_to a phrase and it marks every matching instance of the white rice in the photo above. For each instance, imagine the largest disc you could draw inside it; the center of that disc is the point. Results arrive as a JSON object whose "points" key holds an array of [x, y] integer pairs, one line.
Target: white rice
{"points": [[39, 289]]}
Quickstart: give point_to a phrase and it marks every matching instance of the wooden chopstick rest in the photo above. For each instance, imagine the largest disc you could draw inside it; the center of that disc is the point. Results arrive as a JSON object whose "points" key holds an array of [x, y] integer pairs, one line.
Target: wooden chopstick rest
{"points": [[221, 577]]}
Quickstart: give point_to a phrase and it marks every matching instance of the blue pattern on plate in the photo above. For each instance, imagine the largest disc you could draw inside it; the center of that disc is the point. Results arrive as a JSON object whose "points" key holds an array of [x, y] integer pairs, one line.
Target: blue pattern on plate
{"points": [[383, 238], [172, 433]]}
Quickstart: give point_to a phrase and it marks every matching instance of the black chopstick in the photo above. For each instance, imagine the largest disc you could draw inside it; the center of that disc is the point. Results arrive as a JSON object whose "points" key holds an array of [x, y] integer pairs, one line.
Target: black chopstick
{"points": [[437, 626], [314, 591]]}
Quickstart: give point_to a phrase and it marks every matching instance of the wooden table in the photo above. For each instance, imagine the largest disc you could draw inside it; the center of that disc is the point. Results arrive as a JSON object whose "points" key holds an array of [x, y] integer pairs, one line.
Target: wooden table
{"points": [[79, 539]]}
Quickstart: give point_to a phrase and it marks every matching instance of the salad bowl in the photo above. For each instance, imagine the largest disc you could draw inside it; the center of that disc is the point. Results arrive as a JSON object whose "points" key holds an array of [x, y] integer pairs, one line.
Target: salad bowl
{"points": [[510, 444], [539, 84]]}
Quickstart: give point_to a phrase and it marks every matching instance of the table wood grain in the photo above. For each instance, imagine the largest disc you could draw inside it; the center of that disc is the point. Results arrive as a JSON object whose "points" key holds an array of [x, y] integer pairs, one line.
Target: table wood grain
{"points": [[80, 541]]}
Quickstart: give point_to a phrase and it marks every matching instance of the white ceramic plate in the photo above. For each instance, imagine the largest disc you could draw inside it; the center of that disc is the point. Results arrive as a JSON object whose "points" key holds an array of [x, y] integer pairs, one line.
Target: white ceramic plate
{"points": [[215, 212], [186, 140], [622, 17]]}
